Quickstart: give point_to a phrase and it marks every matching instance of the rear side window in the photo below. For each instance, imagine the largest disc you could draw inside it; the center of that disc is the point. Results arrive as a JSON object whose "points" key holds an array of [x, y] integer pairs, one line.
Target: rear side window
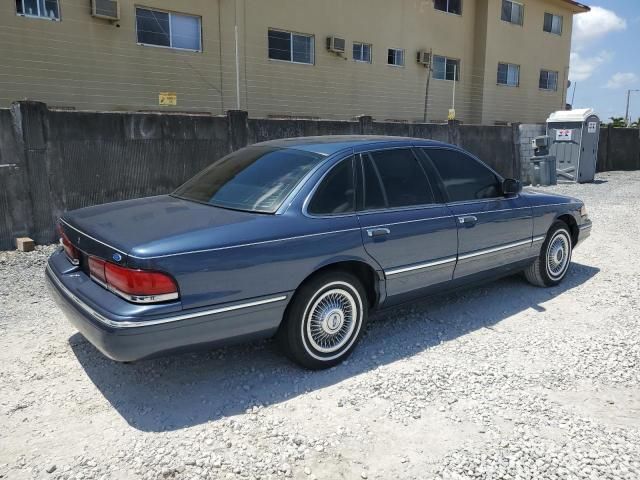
{"points": [[464, 177], [394, 178], [336, 193]]}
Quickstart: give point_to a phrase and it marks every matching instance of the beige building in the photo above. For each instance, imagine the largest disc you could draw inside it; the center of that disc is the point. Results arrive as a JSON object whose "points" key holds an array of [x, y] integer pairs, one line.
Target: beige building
{"points": [[494, 61]]}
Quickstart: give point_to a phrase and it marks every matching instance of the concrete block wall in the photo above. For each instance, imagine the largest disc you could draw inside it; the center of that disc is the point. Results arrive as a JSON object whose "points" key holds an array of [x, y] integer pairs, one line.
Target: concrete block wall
{"points": [[52, 161], [527, 132]]}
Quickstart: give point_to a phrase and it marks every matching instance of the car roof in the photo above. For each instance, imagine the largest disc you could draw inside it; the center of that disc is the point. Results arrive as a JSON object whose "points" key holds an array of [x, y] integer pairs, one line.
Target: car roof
{"points": [[330, 144]]}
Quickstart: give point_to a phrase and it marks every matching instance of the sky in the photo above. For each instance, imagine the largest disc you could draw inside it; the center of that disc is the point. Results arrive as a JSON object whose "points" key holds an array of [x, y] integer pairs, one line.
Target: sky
{"points": [[605, 58]]}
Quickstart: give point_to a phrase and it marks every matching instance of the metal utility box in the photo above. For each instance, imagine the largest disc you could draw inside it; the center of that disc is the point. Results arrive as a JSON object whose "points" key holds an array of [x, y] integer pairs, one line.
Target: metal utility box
{"points": [[574, 142], [543, 165]]}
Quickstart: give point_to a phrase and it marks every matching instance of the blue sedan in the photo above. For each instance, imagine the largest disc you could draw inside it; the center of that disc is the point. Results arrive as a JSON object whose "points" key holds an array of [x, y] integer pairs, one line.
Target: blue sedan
{"points": [[301, 239]]}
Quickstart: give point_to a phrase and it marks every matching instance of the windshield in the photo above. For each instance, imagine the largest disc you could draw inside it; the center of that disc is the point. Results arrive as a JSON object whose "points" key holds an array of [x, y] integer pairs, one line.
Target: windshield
{"points": [[255, 179]]}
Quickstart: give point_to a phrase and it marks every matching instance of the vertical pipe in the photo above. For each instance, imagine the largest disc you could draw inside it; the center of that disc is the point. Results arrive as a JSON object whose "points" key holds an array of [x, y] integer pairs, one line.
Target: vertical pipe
{"points": [[237, 71], [455, 73], [426, 92]]}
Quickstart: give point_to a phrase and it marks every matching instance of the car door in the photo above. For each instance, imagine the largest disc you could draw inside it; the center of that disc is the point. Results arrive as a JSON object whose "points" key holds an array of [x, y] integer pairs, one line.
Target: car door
{"points": [[404, 228], [494, 230]]}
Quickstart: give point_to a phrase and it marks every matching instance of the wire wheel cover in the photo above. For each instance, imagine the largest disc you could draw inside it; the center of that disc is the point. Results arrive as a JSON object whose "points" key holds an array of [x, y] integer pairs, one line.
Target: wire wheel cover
{"points": [[558, 254], [332, 320]]}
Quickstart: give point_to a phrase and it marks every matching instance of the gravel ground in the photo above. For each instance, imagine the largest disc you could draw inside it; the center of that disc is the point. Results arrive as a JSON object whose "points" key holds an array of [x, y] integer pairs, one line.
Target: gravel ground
{"points": [[503, 381]]}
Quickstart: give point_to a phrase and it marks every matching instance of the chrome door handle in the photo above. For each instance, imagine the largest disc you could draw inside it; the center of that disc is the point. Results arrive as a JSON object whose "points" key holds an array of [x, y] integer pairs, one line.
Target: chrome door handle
{"points": [[378, 232], [467, 220]]}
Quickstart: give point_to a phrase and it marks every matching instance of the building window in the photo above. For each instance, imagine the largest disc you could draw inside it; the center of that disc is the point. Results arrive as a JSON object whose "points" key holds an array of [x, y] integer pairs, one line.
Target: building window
{"points": [[39, 8], [172, 30], [508, 74], [552, 23], [512, 12], [396, 57], [446, 68], [548, 80], [450, 6], [291, 47], [362, 52]]}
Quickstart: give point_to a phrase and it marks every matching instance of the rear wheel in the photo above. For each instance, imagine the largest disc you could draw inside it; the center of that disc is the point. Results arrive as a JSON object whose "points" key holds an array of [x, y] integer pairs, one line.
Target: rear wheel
{"points": [[552, 264], [325, 320]]}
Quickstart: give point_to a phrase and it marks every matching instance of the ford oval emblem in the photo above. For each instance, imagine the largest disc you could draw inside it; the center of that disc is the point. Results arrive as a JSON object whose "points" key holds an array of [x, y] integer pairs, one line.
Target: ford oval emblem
{"points": [[117, 257]]}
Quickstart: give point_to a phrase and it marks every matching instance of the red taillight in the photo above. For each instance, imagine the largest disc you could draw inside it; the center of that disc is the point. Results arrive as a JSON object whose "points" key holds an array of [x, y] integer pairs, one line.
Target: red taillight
{"points": [[140, 286], [71, 251], [96, 267]]}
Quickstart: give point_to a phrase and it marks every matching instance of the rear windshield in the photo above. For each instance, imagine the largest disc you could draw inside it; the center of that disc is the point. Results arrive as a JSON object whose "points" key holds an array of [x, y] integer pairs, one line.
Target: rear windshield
{"points": [[254, 179]]}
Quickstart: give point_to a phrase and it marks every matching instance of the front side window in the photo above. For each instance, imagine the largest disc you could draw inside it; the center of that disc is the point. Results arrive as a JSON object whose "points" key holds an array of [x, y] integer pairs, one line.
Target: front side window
{"points": [[336, 193], [165, 29], [450, 6], [512, 12], [395, 57], [446, 68], [552, 23], [362, 52], [508, 74], [254, 179], [464, 178], [548, 80], [291, 47], [394, 178], [39, 8]]}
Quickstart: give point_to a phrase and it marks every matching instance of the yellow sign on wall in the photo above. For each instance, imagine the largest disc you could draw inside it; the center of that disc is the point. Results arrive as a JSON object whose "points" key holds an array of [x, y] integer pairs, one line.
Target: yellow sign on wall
{"points": [[452, 114], [168, 99]]}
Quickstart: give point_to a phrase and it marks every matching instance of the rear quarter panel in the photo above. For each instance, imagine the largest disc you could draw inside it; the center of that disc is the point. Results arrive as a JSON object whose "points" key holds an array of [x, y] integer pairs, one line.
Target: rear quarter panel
{"points": [[275, 262]]}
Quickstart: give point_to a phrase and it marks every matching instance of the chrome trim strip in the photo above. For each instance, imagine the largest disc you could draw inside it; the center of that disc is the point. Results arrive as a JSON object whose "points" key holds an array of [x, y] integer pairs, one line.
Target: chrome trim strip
{"points": [[568, 204], [92, 238], [409, 221], [421, 266], [586, 227], [410, 208], [228, 247], [128, 324], [539, 239], [494, 249]]}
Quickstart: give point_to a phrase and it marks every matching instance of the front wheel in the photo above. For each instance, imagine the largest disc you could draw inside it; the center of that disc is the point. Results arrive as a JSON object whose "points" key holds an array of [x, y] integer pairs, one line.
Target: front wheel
{"points": [[325, 320], [552, 264]]}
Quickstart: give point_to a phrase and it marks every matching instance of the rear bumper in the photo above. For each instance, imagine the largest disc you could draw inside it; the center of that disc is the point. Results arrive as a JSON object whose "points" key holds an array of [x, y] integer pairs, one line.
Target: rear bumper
{"points": [[132, 339]]}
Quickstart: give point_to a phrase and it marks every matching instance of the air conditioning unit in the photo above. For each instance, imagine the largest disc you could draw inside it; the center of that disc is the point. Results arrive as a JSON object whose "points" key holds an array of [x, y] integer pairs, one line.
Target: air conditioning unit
{"points": [[107, 9], [424, 58], [336, 44]]}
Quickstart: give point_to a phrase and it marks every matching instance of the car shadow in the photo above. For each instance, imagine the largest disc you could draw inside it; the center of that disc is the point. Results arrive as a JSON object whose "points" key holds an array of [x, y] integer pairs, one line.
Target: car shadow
{"points": [[185, 390]]}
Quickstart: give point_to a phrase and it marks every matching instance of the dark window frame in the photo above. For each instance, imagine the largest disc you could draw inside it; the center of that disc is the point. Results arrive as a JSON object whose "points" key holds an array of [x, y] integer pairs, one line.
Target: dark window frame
{"points": [[395, 52], [312, 50], [506, 82], [448, 8], [362, 46], [447, 60], [552, 16], [362, 157], [20, 10], [510, 19], [547, 88], [325, 175], [170, 35]]}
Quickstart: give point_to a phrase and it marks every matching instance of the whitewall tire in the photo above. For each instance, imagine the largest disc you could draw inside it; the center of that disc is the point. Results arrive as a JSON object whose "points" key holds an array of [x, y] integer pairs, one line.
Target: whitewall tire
{"points": [[325, 320]]}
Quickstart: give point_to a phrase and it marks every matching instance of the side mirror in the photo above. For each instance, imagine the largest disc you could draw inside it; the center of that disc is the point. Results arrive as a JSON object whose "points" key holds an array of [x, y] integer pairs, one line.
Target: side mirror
{"points": [[511, 186]]}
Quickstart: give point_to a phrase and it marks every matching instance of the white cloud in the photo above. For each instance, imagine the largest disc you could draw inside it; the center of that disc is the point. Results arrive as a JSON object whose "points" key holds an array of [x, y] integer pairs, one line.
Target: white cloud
{"points": [[620, 80], [582, 67], [594, 25]]}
